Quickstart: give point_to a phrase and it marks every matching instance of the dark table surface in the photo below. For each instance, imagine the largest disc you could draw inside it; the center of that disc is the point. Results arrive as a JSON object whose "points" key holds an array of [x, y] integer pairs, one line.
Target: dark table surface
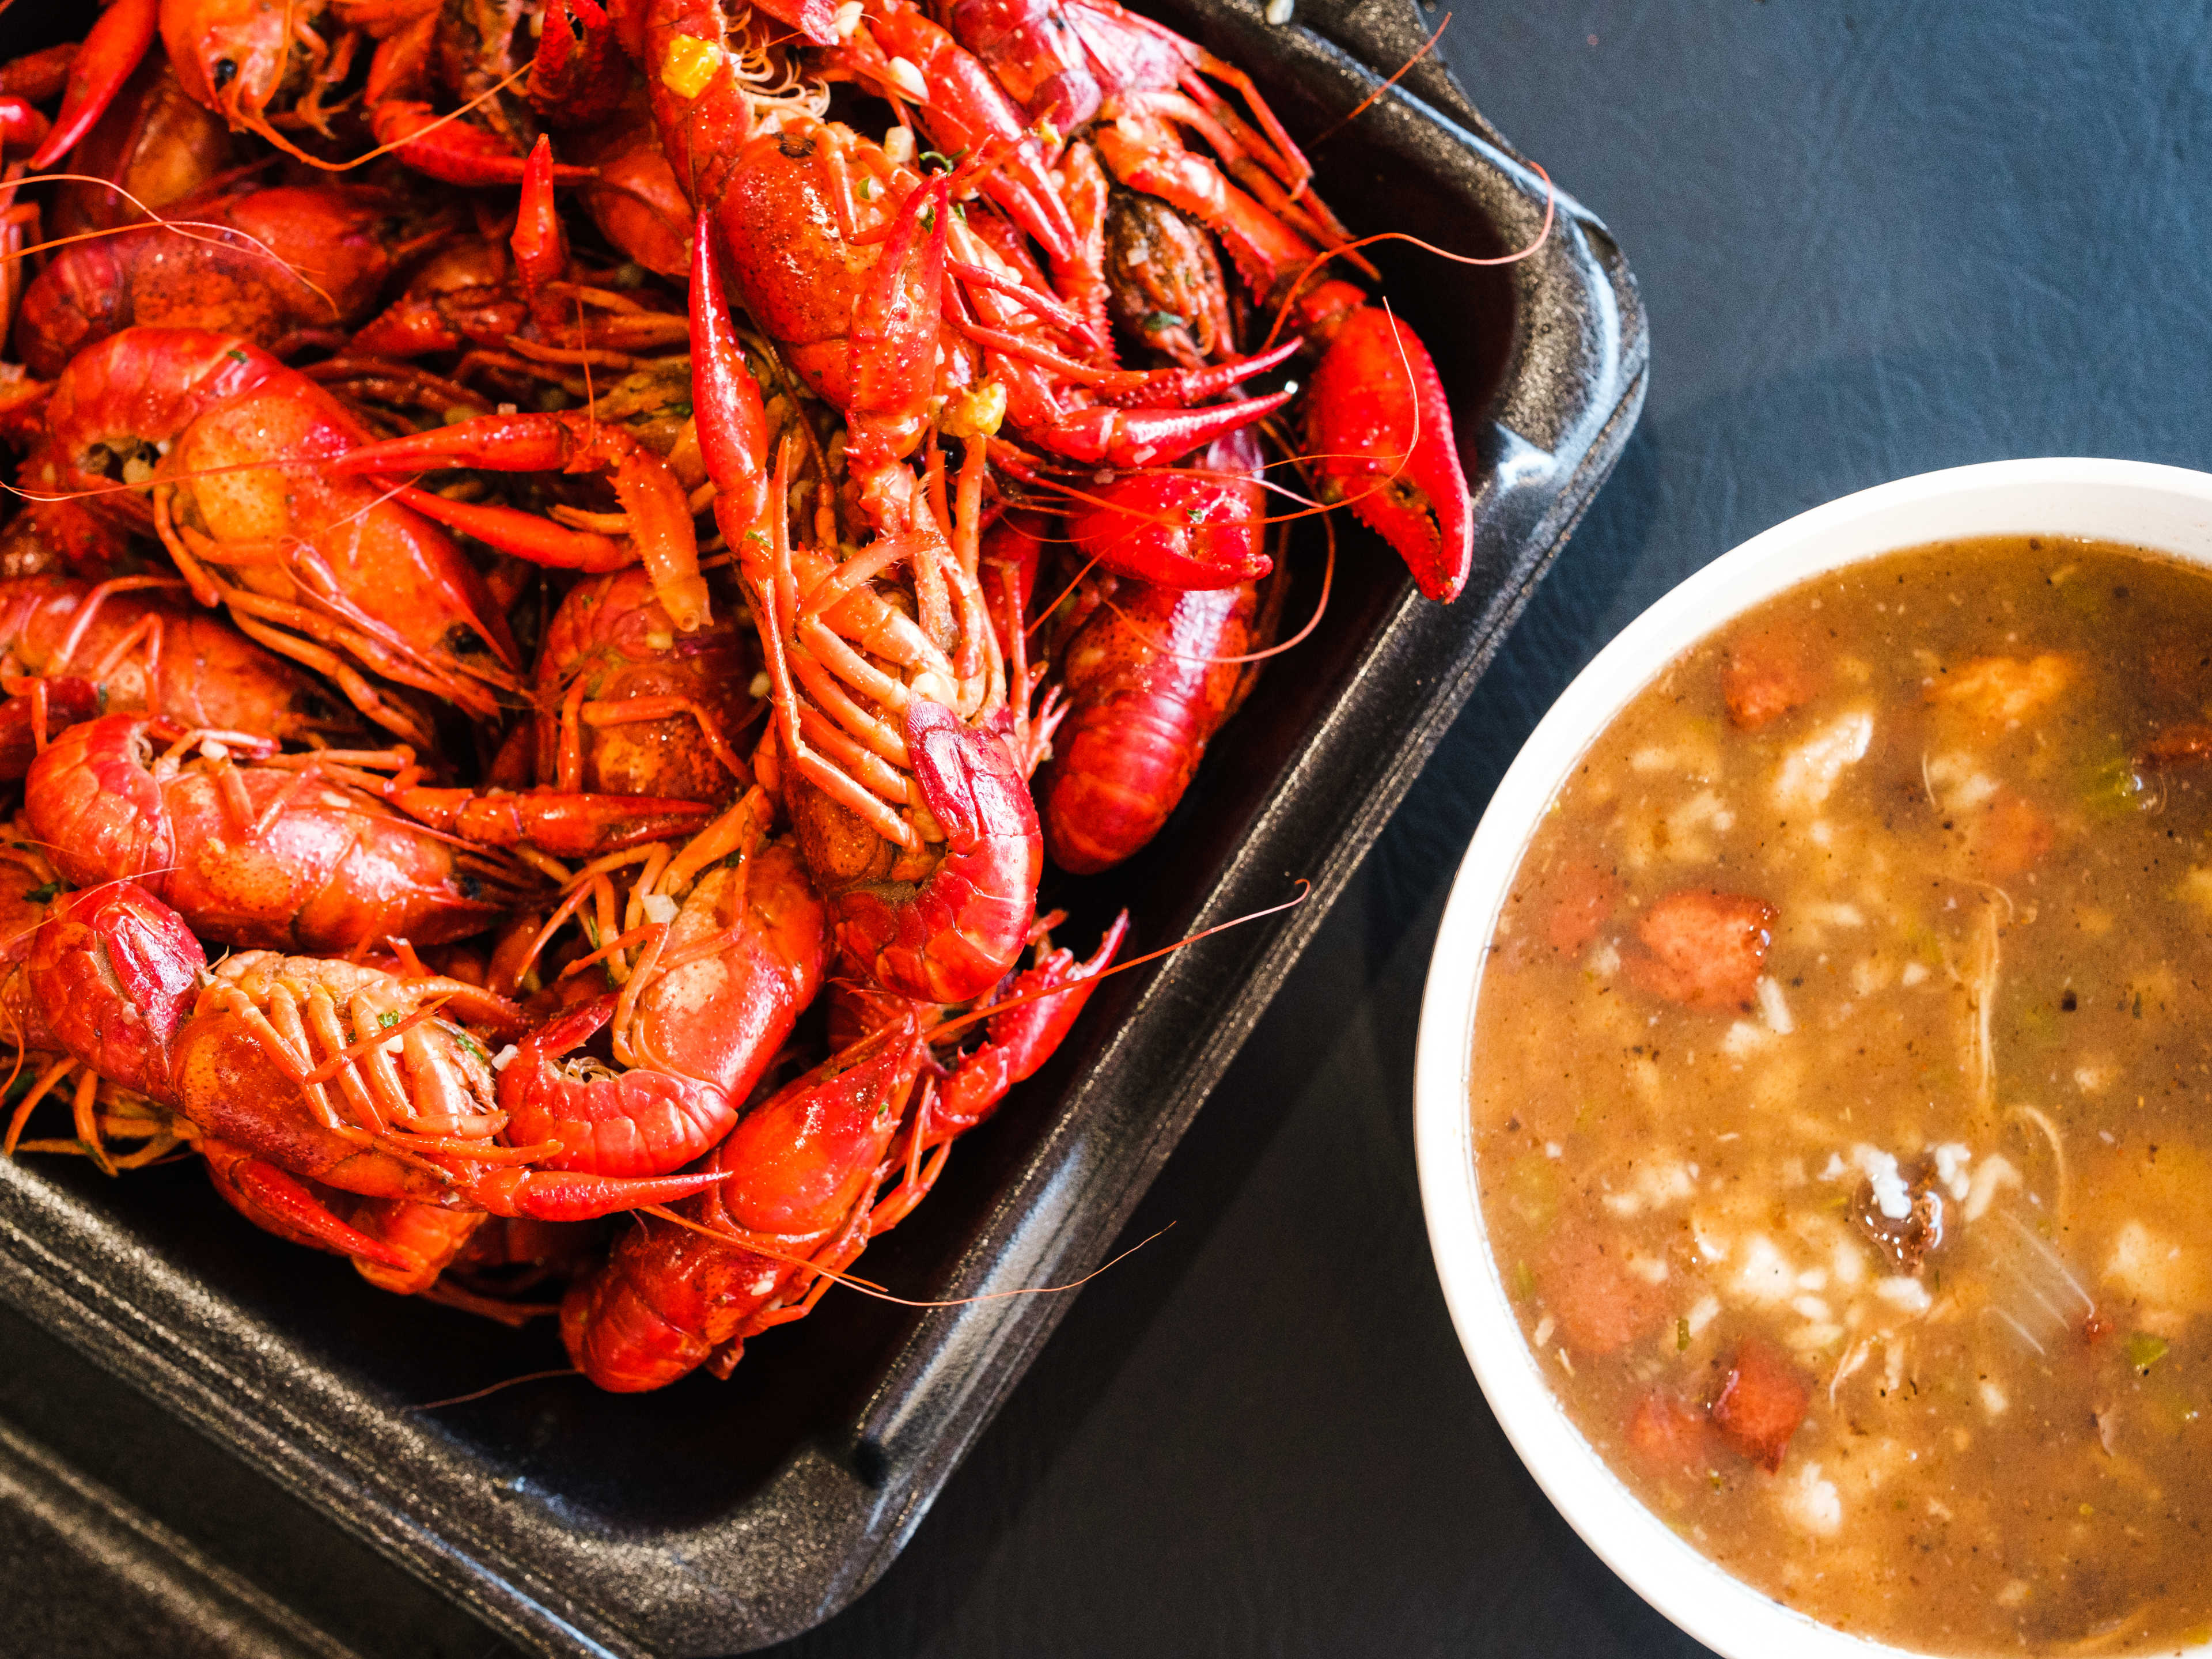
{"points": [[1875, 238]]}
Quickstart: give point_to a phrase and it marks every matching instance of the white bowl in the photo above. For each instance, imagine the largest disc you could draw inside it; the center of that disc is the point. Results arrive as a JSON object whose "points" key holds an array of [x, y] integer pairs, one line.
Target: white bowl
{"points": [[2162, 507]]}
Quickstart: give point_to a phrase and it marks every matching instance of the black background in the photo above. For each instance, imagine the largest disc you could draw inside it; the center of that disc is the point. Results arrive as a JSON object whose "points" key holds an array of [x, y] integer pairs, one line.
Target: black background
{"points": [[1873, 239]]}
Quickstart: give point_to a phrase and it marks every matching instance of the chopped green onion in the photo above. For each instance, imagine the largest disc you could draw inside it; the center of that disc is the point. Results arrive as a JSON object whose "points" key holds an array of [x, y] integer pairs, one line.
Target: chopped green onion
{"points": [[2145, 1351]]}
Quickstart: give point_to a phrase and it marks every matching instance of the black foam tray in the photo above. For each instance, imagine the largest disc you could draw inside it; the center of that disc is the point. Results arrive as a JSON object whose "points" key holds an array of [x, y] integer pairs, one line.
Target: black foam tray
{"points": [[714, 1517]]}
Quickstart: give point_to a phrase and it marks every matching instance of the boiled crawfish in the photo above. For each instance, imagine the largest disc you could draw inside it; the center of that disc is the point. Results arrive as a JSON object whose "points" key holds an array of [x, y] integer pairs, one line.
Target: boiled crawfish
{"points": [[985, 411]]}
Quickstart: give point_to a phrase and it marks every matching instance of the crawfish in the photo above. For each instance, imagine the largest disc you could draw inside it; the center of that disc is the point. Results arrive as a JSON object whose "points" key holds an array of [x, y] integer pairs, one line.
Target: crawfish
{"points": [[795, 1201], [905, 792], [69, 650], [251, 855], [302, 1073], [228, 456], [789, 1193], [67, 957], [305, 268], [100, 1111], [627, 702]]}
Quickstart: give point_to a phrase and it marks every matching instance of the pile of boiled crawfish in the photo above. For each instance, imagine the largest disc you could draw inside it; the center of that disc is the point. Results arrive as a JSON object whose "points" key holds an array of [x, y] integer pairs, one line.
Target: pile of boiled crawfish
{"points": [[555, 554]]}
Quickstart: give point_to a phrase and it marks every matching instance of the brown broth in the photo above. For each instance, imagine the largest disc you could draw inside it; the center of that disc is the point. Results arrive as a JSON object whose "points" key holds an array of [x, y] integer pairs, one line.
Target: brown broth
{"points": [[1991, 961]]}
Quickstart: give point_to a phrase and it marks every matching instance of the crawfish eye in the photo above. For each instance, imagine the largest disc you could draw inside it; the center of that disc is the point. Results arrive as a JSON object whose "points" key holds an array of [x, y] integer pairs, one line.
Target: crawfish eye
{"points": [[463, 641], [226, 71]]}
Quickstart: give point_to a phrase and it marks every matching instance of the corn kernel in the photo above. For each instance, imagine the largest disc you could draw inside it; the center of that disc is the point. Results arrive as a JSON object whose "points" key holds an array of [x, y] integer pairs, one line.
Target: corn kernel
{"points": [[975, 413], [688, 64]]}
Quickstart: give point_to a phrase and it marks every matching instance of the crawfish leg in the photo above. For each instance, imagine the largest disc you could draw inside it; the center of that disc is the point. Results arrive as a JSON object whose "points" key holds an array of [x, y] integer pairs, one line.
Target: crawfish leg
{"points": [[400, 722]]}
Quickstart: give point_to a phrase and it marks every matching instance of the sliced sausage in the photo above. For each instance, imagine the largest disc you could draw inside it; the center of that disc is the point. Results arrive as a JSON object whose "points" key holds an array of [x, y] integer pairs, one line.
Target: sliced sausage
{"points": [[1600, 1305], [1665, 1432], [1763, 676], [1761, 1403], [1560, 911], [1704, 948]]}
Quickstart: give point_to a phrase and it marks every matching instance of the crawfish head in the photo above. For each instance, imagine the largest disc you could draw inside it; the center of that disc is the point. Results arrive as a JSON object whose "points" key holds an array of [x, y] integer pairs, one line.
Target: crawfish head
{"points": [[1165, 290], [857, 321], [801, 1158], [120, 403], [236, 56], [749, 942], [656, 709]]}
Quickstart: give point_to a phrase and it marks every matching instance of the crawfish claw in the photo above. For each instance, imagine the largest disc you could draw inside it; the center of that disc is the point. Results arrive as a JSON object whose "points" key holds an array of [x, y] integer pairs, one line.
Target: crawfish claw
{"points": [[565, 825], [1150, 437], [636, 1122], [551, 1195], [112, 50], [954, 936], [282, 1198], [1381, 435]]}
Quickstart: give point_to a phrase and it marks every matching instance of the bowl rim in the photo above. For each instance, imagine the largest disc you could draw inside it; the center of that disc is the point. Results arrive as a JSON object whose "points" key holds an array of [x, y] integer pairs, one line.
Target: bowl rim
{"points": [[2166, 509]]}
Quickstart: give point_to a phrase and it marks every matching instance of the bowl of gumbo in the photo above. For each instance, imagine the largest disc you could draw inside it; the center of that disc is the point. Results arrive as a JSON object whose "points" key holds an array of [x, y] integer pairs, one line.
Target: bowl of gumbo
{"points": [[1815, 1100]]}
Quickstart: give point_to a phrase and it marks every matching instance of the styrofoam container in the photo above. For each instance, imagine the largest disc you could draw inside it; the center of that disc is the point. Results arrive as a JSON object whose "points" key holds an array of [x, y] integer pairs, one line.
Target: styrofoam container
{"points": [[2164, 508]]}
